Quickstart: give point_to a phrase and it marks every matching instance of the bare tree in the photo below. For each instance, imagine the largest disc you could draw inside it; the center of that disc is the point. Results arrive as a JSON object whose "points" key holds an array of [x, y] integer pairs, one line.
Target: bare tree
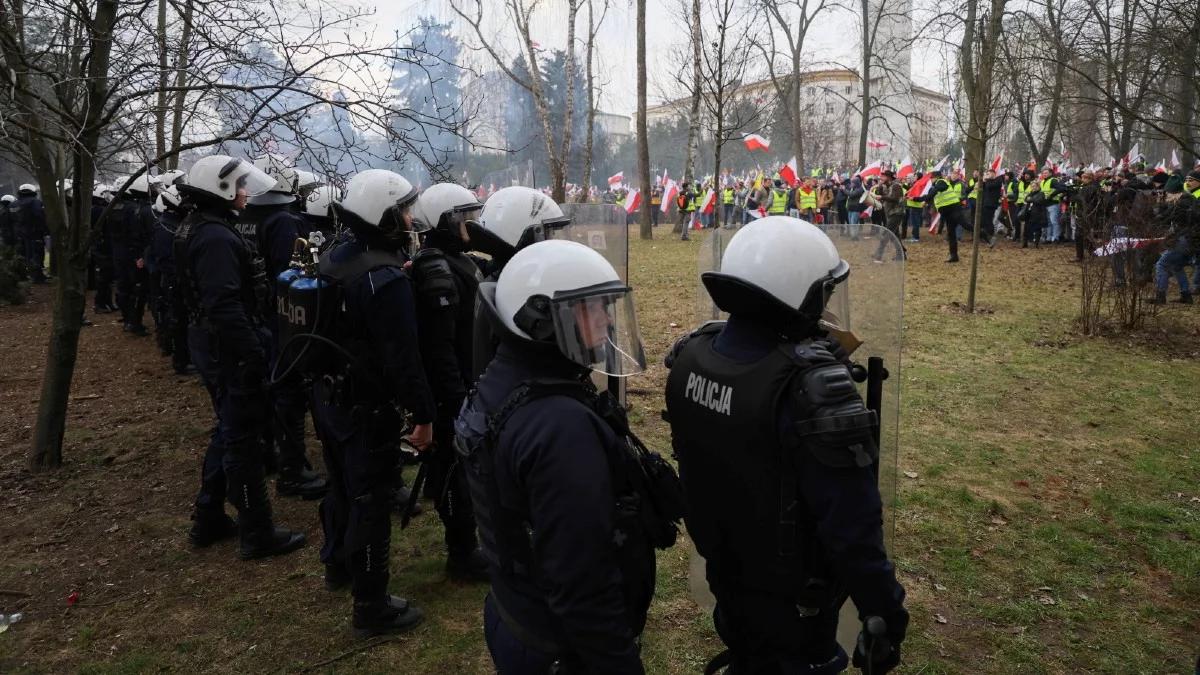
{"points": [[695, 41], [593, 29], [521, 13], [792, 19], [643, 136], [79, 75]]}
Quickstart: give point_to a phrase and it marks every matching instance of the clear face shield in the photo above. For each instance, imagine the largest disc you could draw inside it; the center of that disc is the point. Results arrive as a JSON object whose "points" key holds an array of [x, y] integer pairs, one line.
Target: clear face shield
{"points": [[249, 178], [597, 328]]}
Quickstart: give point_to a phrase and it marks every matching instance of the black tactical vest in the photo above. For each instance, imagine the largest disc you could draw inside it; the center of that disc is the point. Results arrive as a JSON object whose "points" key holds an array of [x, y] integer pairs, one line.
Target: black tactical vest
{"points": [[738, 465], [255, 292]]}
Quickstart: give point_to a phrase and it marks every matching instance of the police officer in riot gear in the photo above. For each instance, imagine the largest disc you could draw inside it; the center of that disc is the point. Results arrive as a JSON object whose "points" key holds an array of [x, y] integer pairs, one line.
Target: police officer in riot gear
{"points": [[101, 258], [132, 226], [764, 413], [512, 218], [228, 344], [276, 226], [29, 216], [316, 213], [170, 311], [8, 234], [558, 503], [445, 282], [373, 380]]}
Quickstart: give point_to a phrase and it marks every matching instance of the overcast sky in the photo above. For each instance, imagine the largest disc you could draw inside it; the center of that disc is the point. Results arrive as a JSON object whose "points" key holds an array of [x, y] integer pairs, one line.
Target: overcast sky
{"points": [[833, 39]]}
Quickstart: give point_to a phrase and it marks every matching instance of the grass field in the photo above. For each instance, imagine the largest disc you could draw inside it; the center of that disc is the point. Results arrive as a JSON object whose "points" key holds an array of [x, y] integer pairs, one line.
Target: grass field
{"points": [[1048, 520]]}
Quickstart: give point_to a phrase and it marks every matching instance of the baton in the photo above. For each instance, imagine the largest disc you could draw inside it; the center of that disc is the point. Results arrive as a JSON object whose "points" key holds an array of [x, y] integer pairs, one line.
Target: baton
{"points": [[414, 494]]}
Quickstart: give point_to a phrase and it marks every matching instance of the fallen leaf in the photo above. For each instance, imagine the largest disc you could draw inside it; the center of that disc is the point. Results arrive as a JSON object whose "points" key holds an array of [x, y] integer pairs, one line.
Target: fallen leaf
{"points": [[910, 474], [939, 587], [939, 618], [112, 529]]}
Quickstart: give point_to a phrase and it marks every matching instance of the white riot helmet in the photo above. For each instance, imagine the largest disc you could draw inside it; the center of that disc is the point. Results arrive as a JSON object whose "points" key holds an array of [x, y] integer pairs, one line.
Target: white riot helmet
{"points": [[319, 200], [564, 293], [513, 218], [374, 203], [281, 169], [443, 199], [102, 191], [27, 187], [7, 199], [221, 177], [306, 181], [169, 178], [140, 185], [167, 199], [66, 186], [781, 270]]}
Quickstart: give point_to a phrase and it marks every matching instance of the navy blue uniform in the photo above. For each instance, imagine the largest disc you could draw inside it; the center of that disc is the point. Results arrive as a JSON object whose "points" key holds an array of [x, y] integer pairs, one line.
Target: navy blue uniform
{"points": [[228, 346], [30, 225], [276, 228], [793, 531], [8, 232], [167, 303], [576, 602], [447, 281], [133, 224], [359, 414], [102, 265]]}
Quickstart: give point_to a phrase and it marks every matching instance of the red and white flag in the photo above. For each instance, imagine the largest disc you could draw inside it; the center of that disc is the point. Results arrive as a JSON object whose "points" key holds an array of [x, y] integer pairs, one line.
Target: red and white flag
{"points": [[1175, 163], [617, 178], [937, 218], [921, 188], [873, 169], [906, 169], [669, 195], [1132, 156], [633, 201], [755, 142], [789, 172], [1161, 167], [997, 162], [877, 145], [710, 201]]}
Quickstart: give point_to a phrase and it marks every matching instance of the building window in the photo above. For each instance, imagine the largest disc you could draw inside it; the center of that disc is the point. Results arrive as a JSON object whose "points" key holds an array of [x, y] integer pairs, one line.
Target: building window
{"points": [[828, 108], [847, 89], [812, 91]]}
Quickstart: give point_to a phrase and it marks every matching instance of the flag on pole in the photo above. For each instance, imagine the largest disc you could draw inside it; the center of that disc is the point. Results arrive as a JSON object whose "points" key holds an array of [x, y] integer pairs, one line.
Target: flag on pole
{"points": [[1132, 155], [997, 162], [617, 178], [906, 169], [873, 169], [633, 201], [755, 142], [921, 188], [1175, 163], [1161, 167], [788, 172], [669, 195], [937, 218], [1062, 149], [877, 145], [710, 202]]}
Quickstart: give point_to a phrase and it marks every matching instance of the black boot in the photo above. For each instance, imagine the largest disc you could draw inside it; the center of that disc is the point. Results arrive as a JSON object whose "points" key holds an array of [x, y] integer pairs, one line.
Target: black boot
{"points": [[389, 615], [952, 259], [467, 567], [1160, 298], [337, 578], [400, 496], [301, 482], [209, 528], [1185, 298], [258, 537]]}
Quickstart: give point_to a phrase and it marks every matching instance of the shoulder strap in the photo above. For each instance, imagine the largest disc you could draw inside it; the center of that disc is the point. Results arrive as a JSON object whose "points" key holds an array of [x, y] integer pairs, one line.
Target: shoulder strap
{"points": [[347, 271], [531, 390]]}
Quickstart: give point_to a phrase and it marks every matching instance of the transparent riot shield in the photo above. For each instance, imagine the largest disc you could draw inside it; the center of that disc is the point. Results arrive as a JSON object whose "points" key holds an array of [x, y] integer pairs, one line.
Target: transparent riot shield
{"points": [[866, 314], [603, 228]]}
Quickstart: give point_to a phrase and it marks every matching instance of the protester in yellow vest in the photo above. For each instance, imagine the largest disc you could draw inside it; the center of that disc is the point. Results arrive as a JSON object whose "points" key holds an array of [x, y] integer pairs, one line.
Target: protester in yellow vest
{"points": [[806, 200], [779, 199], [947, 194]]}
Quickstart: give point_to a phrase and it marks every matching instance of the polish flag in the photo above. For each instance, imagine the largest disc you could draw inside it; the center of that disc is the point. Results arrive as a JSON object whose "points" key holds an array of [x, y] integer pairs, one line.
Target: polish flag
{"points": [[710, 202], [937, 218], [1161, 167], [997, 162], [617, 179], [906, 169], [1175, 163], [877, 145], [669, 195], [873, 169], [633, 201], [788, 172], [755, 142], [662, 182], [1132, 155]]}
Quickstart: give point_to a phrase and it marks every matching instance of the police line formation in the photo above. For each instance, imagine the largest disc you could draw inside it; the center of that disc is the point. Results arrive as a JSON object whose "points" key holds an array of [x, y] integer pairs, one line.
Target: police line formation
{"points": [[1053, 206], [429, 324]]}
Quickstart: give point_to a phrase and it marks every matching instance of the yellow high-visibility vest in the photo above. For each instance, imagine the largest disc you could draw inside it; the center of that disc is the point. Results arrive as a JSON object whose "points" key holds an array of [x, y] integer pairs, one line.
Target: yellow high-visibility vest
{"points": [[951, 195], [778, 201], [727, 196], [805, 202]]}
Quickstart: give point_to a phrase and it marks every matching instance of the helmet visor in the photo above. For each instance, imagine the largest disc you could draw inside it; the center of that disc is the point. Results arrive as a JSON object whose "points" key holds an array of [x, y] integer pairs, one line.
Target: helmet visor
{"points": [[248, 177], [596, 327]]}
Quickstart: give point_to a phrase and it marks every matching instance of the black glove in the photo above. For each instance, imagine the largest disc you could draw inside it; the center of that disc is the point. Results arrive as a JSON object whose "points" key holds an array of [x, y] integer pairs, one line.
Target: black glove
{"points": [[878, 648]]}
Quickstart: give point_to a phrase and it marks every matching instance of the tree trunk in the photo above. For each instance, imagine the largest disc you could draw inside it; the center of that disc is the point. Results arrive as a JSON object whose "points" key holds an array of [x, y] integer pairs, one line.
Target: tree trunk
{"points": [[160, 111], [69, 290], [867, 50], [697, 78], [181, 66], [591, 104], [643, 140]]}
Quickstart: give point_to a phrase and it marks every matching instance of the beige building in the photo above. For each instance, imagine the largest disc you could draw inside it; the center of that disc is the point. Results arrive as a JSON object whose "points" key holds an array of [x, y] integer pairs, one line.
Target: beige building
{"points": [[830, 103]]}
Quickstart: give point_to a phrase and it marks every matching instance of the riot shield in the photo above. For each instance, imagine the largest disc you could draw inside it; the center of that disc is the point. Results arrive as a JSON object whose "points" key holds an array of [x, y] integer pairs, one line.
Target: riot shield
{"points": [[603, 228], [866, 314]]}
